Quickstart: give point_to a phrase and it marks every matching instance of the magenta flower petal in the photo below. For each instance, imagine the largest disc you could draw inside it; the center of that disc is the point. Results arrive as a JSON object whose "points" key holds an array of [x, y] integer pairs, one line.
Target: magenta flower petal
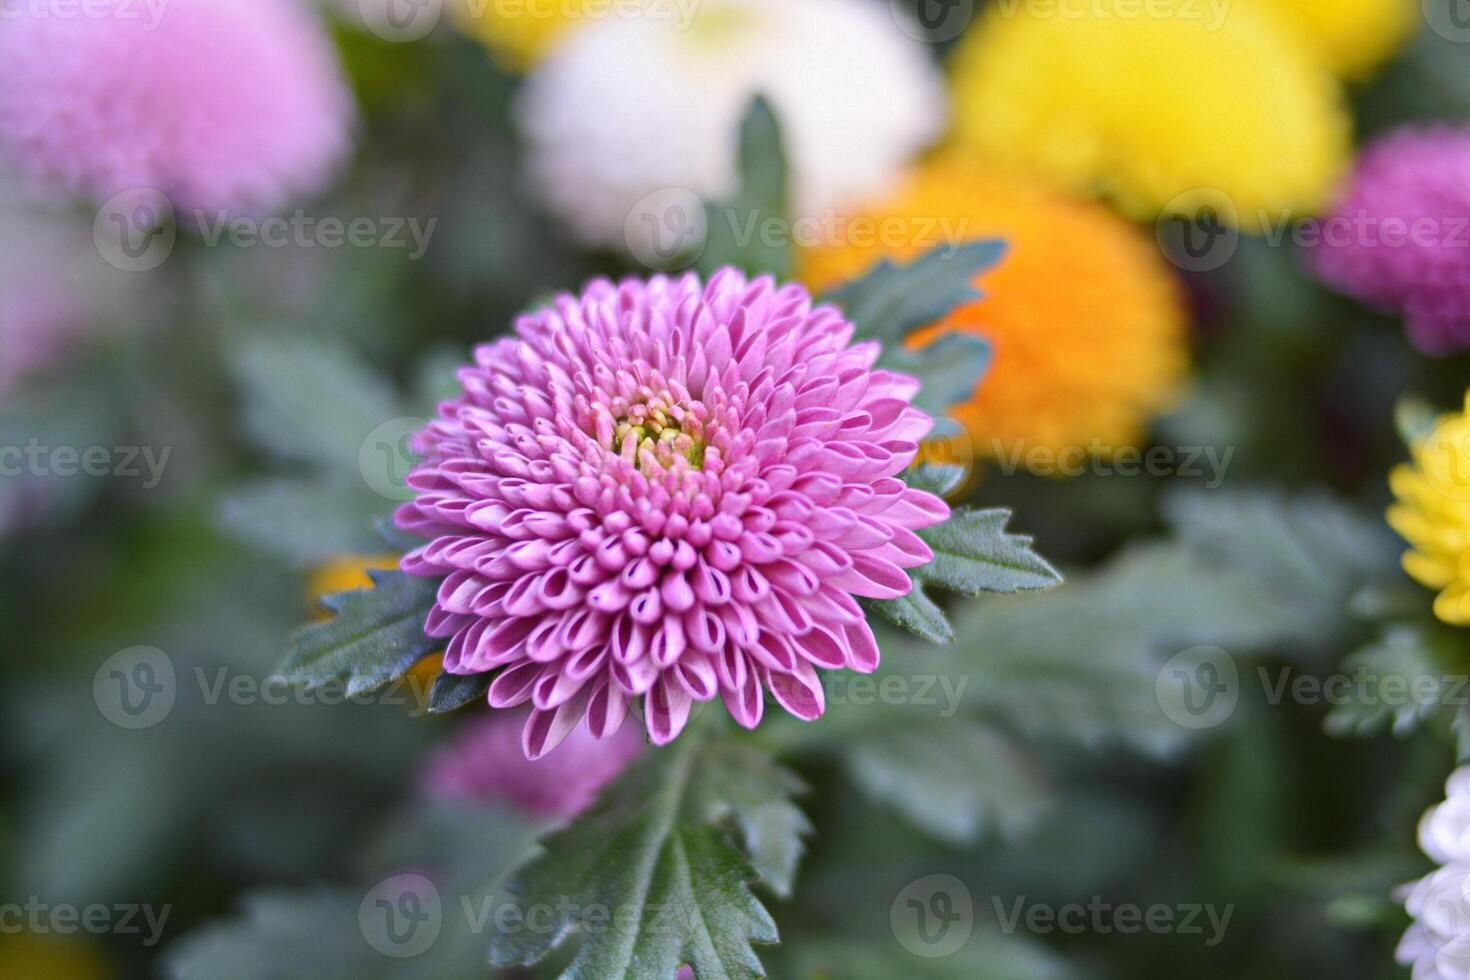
{"points": [[667, 492], [1400, 238], [487, 762]]}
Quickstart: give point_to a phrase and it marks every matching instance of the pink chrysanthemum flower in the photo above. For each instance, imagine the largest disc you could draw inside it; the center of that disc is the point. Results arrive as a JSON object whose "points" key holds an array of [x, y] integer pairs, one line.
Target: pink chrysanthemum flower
{"points": [[220, 104], [486, 763], [665, 492], [1400, 238]]}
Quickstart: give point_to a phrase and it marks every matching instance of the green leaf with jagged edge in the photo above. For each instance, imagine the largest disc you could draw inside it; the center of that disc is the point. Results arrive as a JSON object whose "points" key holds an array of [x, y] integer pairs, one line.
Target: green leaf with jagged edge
{"points": [[990, 954], [376, 636], [453, 858], [306, 520], [893, 300], [951, 777], [948, 369], [1081, 664], [1412, 676], [914, 612], [973, 554], [750, 231], [1310, 552], [453, 691], [310, 399], [676, 889]]}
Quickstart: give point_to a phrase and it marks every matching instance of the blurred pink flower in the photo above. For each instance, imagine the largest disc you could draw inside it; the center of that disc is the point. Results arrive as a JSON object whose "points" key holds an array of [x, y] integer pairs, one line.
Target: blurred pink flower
{"points": [[1400, 238], [53, 289], [231, 105], [667, 491], [37, 327], [486, 763]]}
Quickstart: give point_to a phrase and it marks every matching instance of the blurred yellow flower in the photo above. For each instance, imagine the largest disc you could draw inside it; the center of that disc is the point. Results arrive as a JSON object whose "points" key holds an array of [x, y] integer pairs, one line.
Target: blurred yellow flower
{"points": [[1086, 321], [1156, 106], [1352, 36], [519, 32], [26, 956], [1432, 513], [348, 572]]}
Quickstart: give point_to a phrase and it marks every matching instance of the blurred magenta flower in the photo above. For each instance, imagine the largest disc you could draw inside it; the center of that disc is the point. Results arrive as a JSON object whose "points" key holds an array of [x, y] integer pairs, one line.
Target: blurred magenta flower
{"points": [[667, 491], [486, 763], [233, 105], [37, 327], [1400, 238], [53, 290]]}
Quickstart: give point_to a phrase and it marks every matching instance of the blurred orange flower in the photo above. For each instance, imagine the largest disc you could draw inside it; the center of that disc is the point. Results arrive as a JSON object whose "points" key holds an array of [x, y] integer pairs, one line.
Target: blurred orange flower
{"points": [[1086, 321]]}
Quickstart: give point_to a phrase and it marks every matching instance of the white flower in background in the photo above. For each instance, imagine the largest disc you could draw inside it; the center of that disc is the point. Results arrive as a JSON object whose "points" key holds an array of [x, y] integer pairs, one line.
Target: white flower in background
{"points": [[1437, 945], [632, 106]]}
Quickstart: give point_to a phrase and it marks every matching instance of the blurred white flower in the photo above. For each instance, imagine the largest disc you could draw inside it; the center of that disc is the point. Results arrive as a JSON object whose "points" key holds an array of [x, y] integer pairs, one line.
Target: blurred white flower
{"points": [[1437, 945], [631, 107]]}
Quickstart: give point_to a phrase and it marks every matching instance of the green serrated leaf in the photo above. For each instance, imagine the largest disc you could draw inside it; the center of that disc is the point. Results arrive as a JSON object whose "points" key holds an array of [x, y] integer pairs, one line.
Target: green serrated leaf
{"points": [[1081, 663], [973, 553], [1413, 675], [948, 369], [892, 301], [324, 933], [756, 795], [735, 228], [375, 638], [305, 520], [951, 777], [915, 612], [678, 892], [453, 691], [1310, 552], [989, 955], [311, 400]]}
